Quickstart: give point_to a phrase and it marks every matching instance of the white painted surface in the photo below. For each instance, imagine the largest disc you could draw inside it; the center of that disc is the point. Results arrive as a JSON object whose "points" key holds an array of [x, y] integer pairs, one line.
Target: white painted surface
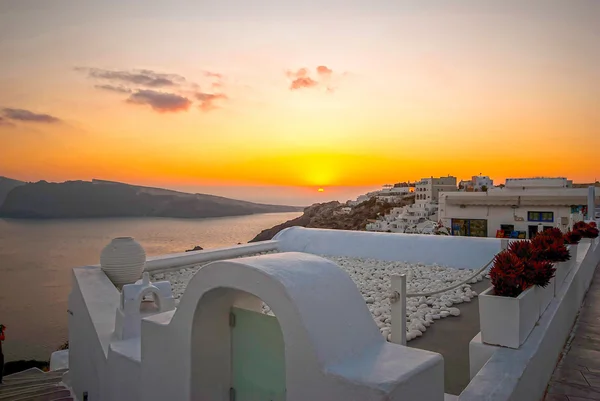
{"points": [[544, 295], [133, 307], [591, 207], [333, 348], [187, 259], [507, 321], [92, 302], [525, 372], [537, 182], [123, 380], [458, 252], [479, 354], [562, 269], [398, 308], [511, 206], [59, 360]]}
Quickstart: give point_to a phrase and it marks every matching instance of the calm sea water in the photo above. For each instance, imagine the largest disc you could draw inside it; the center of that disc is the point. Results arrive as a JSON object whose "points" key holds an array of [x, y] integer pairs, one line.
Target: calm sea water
{"points": [[36, 257]]}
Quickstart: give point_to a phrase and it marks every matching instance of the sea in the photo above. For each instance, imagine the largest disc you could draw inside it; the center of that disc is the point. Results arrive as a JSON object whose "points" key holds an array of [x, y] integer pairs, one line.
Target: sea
{"points": [[36, 258]]}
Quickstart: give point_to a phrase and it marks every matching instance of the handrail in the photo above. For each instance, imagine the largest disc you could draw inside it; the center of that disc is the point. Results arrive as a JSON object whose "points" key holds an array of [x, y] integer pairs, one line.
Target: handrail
{"points": [[428, 294], [398, 312]]}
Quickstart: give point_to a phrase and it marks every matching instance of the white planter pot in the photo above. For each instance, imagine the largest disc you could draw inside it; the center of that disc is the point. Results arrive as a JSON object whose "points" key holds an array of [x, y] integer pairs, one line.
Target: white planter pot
{"points": [[562, 269], [545, 295], [573, 249], [507, 321], [123, 261]]}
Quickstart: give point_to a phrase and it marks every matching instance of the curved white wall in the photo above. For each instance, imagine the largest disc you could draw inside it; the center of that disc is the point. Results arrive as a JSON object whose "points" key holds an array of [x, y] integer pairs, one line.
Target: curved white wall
{"points": [[458, 252], [333, 349]]}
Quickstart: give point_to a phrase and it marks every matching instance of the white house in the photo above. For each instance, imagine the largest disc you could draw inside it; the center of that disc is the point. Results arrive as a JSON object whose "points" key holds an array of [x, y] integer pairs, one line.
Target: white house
{"points": [[476, 183], [538, 182], [428, 189], [510, 210]]}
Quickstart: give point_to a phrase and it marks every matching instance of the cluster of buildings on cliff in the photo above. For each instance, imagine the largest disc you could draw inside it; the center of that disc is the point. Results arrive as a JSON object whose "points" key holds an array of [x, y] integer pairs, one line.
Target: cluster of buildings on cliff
{"points": [[477, 208]]}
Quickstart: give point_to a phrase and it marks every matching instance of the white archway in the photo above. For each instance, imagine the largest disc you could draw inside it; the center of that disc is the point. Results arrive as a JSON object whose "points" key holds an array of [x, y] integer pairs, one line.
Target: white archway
{"points": [[333, 349]]}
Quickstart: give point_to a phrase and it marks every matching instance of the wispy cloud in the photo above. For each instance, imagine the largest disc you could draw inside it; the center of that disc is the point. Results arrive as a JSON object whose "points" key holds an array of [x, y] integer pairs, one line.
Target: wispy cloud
{"points": [[211, 74], [322, 70], [29, 116], [142, 87], [304, 82], [207, 100], [112, 88], [301, 79], [161, 102], [143, 77]]}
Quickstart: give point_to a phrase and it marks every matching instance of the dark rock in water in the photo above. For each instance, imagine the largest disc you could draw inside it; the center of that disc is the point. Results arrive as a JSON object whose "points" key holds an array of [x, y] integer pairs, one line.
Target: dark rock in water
{"points": [[196, 248]]}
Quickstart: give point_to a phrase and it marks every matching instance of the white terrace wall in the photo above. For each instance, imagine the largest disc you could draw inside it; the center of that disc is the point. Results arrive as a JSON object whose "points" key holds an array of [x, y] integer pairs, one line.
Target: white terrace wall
{"points": [[92, 304], [458, 252], [106, 369], [522, 374]]}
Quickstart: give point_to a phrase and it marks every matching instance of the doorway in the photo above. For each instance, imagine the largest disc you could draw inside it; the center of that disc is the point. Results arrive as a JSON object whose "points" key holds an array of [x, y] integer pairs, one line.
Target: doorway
{"points": [[532, 231], [257, 357]]}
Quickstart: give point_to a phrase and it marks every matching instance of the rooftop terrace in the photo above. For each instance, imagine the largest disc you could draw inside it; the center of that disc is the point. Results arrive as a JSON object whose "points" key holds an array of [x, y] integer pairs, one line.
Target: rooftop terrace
{"points": [[334, 308]]}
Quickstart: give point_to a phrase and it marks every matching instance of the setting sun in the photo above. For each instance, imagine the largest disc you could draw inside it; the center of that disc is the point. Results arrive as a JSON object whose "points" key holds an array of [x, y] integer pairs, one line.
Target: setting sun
{"points": [[321, 190]]}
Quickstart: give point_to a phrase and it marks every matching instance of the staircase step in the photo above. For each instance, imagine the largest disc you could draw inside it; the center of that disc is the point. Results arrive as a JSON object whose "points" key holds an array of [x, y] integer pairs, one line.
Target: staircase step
{"points": [[32, 376], [51, 395], [24, 373], [15, 383], [23, 391]]}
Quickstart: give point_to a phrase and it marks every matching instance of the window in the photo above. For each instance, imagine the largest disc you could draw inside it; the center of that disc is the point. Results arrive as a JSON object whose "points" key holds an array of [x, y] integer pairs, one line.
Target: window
{"points": [[540, 216], [469, 227]]}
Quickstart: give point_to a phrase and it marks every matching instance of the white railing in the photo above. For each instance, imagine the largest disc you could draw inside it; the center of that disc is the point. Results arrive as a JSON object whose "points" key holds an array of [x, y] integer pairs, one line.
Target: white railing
{"points": [[398, 301]]}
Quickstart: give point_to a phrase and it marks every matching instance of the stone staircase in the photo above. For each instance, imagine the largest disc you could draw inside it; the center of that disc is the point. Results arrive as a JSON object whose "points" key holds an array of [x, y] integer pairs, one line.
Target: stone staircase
{"points": [[35, 385]]}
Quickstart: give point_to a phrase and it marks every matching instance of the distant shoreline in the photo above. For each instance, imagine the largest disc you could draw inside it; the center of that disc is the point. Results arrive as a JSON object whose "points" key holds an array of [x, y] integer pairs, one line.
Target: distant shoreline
{"points": [[103, 199], [25, 218]]}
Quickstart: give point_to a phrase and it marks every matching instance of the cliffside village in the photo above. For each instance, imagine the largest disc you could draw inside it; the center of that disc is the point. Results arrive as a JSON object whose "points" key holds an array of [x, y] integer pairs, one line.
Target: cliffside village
{"points": [[519, 208]]}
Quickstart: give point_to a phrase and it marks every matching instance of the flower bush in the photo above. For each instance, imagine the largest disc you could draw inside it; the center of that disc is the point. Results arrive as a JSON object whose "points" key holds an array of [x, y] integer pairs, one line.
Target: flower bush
{"points": [[539, 272], [528, 263], [523, 249], [550, 247], [508, 275], [587, 230], [572, 237]]}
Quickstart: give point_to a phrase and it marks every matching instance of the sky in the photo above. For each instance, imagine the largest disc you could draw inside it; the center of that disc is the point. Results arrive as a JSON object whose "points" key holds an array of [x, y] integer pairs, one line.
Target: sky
{"points": [[270, 100]]}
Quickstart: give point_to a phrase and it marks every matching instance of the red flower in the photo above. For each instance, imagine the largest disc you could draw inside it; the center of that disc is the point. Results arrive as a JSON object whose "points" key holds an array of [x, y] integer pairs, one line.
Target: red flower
{"points": [[550, 248], [523, 249], [586, 230], [572, 237], [507, 275]]}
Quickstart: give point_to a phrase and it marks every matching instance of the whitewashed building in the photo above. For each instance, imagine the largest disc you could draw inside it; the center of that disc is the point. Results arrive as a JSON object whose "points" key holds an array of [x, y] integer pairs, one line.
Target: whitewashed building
{"points": [[513, 210], [476, 183], [428, 189], [538, 182]]}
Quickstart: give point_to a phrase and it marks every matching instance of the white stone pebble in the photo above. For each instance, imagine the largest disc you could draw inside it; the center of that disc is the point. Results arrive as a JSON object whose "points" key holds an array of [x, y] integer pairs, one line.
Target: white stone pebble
{"points": [[372, 278]]}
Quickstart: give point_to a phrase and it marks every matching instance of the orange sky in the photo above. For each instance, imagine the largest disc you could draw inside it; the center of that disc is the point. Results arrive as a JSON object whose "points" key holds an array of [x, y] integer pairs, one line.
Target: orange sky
{"points": [[330, 93]]}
